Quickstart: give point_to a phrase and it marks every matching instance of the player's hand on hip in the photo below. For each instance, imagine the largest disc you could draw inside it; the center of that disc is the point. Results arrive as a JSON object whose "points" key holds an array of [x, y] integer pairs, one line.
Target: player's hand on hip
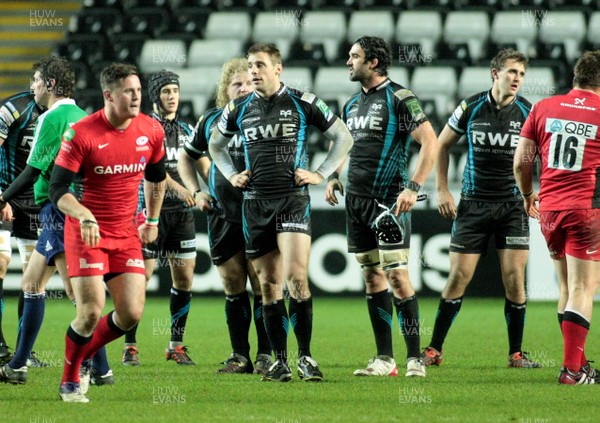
{"points": [[406, 200], [241, 180], [7, 213], [187, 197], [531, 205], [306, 177], [333, 185], [90, 231], [445, 204], [147, 233], [203, 201]]}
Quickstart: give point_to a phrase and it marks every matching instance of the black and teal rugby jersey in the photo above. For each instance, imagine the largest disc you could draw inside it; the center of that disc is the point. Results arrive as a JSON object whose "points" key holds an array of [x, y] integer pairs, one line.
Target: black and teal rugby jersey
{"points": [[228, 197], [492, 138], [18, 116], [274, 134], [380, 122]]}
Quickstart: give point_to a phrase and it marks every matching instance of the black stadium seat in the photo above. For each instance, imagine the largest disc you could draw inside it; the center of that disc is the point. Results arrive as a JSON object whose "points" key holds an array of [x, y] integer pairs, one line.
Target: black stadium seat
{"points": [[152, 21], [106, 21]]}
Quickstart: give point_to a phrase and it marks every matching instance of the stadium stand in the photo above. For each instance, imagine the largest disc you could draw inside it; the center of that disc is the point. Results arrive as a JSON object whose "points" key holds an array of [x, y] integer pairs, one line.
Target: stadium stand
{"points": [[228, 25], [324, 27], [422, 28], [280, 27], [162, 54]]}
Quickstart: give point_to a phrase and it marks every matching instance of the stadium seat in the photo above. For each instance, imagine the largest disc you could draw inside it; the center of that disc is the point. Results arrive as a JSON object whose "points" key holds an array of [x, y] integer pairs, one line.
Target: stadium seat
{"points": [[130, 4], [510, 28], [325, 27], [566, 28], [86, 48], [83, 77], [539, 81], [470, 28], [162, 54], [106, 21], [437, 83], [280, 27], [593, 33], [474, 80], [196, 81], [213, 52], [190, 20], [152, 21], [200, 102], [334, 83], [376, 23], [297, 77], [228, 25], [127, 47], [399, 76], [102, 4], [421, 27], [89, 100]]}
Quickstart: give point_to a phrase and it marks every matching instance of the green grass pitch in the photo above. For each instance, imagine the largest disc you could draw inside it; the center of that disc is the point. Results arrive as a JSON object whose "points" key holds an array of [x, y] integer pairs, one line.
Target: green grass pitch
{"points": [[472, 385]]}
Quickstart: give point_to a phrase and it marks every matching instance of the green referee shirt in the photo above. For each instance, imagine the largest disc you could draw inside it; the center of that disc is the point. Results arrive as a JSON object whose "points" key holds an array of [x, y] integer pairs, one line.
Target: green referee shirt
{"points": [[47, 137]]}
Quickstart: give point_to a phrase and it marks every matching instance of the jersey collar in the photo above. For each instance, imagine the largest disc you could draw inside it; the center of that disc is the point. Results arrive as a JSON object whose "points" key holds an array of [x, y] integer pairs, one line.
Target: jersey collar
{"points": [[280, 91], [377, 87], [492, 101], [62, 101]]}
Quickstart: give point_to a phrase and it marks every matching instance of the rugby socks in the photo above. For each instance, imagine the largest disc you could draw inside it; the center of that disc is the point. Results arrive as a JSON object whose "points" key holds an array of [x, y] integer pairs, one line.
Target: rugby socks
{"points": [[515, 322], [2, 340], [380, 312], [261, 334], [560, 321], [575, 328], [33, 314], [130, 336], [447, 312], [239, 316], [75, 347], [277, 325], [20, 315], [301, 318], [106, 331], [100, 361], [180, 307], [408, 319]]}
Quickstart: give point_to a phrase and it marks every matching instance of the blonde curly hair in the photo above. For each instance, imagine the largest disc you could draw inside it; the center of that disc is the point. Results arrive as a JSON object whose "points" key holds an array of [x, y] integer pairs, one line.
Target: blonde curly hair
{"points": [[229, 69]]}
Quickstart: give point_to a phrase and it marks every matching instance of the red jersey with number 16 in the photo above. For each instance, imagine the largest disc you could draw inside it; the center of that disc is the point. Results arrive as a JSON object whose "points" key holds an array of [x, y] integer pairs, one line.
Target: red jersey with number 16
{"points": [[565, 129], [112, 163]]}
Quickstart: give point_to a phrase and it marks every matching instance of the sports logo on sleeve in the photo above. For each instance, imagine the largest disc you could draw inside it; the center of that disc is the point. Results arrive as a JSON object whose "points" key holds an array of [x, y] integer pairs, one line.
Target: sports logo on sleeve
{"points": [[69, 135], [415, 110], [324, 109]]}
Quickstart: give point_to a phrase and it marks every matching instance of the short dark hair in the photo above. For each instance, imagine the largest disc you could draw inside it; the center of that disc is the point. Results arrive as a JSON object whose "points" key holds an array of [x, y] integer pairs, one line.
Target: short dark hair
{"points": [[376, 48], [269, 48], [115, 72], [506, 54], [59, 69], [587, 70]]}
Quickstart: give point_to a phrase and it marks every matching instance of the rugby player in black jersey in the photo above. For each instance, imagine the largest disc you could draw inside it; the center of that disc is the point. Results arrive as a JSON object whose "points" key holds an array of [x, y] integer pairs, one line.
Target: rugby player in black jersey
{"points": [[490, 202], [223, 203], [273, 121], [381, 117]]}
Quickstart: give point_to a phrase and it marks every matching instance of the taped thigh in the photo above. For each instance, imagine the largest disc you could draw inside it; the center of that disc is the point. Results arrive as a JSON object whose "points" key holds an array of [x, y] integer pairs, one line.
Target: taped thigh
{"points": [[394, 259], [368, 260]]}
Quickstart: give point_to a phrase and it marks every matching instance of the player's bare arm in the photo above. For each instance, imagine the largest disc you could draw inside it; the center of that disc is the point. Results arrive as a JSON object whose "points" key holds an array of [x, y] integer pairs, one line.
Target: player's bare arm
{"points": [[445, 202], [523, 169], [183, 194], [188, 169], [425, 136]]}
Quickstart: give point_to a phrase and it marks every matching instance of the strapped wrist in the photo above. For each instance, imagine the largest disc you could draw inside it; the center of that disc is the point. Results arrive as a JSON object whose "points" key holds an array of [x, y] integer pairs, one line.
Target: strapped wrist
{"points": [[333, 176]]}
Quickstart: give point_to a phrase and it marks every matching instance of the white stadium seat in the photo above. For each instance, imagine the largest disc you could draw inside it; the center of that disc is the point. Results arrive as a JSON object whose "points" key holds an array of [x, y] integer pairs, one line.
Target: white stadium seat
{"points": [[297, 77], [474, 80], [214, 52], [510, 28], [567, 28], [334, 82], [378, 23], [593, 34], [538, 82], [234, 25], [272, 27], [328, 28], [471, 28], [437, 83], [399, 76], [198, 81], [162, 54], [423, 27]]}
